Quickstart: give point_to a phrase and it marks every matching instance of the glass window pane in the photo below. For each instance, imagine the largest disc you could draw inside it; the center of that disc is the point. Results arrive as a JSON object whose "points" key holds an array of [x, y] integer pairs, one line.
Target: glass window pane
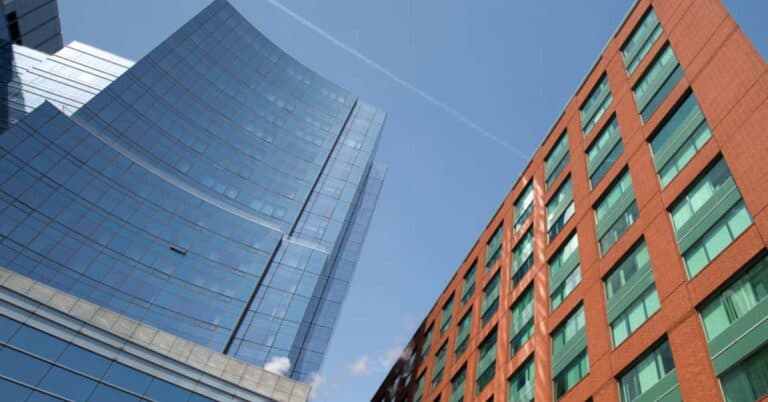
{"points": [[12, 391], [106, 393], [68, 384], [164, 391], [22, 367], [84, 361], [128, 378], [37, 342]]}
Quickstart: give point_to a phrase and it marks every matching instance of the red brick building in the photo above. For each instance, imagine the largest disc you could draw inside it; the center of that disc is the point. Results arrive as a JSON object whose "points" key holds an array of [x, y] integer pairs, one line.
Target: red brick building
{"points": [[629, 260]]}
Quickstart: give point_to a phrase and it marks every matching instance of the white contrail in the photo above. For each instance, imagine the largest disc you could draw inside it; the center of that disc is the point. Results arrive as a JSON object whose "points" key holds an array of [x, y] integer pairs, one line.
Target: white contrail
{"points": [[418, 91]]}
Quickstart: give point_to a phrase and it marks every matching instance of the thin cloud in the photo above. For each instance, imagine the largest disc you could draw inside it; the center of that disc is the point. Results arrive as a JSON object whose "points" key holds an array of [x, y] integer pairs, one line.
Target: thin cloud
{"points": [[359, 367], [394, 77]]}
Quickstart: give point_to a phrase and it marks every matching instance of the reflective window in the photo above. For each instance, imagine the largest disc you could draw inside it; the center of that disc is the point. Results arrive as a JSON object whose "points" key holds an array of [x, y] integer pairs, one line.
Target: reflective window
{"points": [[522, 382], [615, 212], [468, 288], [577, 369], [491, 298], [564, 271], [462, 334], [524, 206], [445, 320], [633, 265], [747, 380], [419, 389], [634, 316], [646, 373], [486, 362], [560, 209], [522, 257], [641, 40], [427, 343], [604, 151], [657, 82], [568, 330], [437, 369], [493, 251], [557, 159], [596, 104], [457, 385], [521, 322]]}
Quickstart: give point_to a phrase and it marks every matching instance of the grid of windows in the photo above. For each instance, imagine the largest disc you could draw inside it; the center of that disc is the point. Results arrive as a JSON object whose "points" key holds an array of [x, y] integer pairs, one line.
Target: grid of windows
{"points": [[678, 139], [560, 209], [524, 206], [41, 365], [462, 334], [521, 322], [657, 82], [596, 104], [641, 40], [486, 362], [493, 251], [564, 271], [556, 161], [647, 373], [521, 384], [468, 288], [604, 151], [708, 217], [615, 212], [523, 257], [491, 298]]}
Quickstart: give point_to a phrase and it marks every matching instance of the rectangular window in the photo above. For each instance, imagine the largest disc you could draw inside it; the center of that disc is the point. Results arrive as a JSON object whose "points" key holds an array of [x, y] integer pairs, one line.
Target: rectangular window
{"points": [[560, 209], [523, 206], [647, 373], [462, 336], [604, 152], [419, 389], [615, 212], [557, 159], [457, 385], [521, 323], [486, 361], [437, 370], [596, 104], [641, 40], [521, 384], [565, 380], [628, 270], [747, 380], [469, 284], [491, 298], [737, 299], [427, 343], [635, 315], [493, 250], [708, 217], [564, 271], [657, 82], [679, 138], [445, 320], [523, 257], [571, 329]]}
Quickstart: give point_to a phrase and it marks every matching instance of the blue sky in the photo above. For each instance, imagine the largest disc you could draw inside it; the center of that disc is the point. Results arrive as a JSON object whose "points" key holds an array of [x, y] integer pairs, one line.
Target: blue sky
{"points": [[510, 66]]}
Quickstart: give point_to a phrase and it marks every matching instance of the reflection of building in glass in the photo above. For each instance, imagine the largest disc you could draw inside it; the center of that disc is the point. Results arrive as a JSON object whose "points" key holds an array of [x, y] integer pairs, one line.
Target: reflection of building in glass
{"points": [[216, 189], [629, 261]]}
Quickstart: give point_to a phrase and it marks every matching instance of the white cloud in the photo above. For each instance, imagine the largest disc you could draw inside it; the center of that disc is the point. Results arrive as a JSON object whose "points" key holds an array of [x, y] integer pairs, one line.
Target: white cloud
{"points": [[278, 365], [315, 381], [359, 367]]}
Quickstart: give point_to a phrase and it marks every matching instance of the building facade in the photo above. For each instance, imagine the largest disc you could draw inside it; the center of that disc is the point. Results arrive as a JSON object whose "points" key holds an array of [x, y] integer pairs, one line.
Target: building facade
{"points": [[216, 190], [628, 262]]}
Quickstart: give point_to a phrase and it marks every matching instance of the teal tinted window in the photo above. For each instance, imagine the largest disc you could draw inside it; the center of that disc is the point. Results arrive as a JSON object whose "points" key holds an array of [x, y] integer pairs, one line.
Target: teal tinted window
{"points": [[521, 384], [657, 82], [457, 385], [708, 217], [564, 271], [577, 369], [493, 251], [738, 298], [641, 40], [521, 323], [604, 152], [468, 288], [427, 343], [634, 316], [568, 330], [462, 334], [560, 209], [419, 389], [445, 320], [615, 212], [557, 159], [596, 104], [748, 380], [486, 361], [522, 257], [437, 370], [679, 138], [523, 206], [646, 373], [630, 267], [491, 298]]}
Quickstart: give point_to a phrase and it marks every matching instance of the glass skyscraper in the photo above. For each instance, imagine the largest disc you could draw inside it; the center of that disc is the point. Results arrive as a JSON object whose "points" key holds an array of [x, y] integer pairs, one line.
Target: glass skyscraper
{"points": [[216, 190]]}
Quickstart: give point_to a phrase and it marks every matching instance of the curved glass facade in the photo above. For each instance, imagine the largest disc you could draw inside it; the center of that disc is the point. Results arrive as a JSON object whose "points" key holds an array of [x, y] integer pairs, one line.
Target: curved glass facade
{"points": [[217, 190]]}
